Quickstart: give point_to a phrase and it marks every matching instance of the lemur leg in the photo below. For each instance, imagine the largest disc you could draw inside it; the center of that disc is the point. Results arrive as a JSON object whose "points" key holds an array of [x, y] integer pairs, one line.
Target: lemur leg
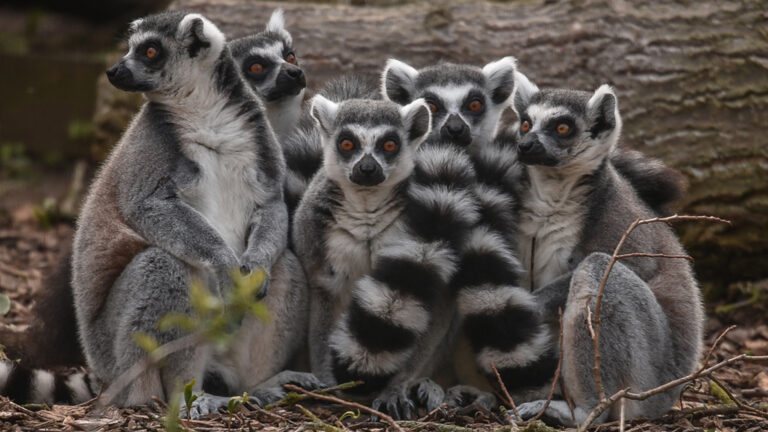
{"points": [[256, 363], [152, 285], [635, 345]]}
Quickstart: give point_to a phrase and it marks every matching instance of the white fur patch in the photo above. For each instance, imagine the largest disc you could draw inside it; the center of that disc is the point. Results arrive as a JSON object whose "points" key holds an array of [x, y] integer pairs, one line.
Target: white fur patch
{"points": [[277, 24], [458, 203], [79, 387], [395, 307], [385, 362], [433, 255], [522, 355], [212, 33], [403, 72], [524, 90], [43, 385], [489, 299], [5, 372]]}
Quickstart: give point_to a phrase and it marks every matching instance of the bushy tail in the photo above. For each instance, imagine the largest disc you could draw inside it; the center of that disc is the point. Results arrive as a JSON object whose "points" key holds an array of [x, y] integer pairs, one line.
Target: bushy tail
{"points": [[51, 341], [24, 385], [302, 147], [391, 308], [657, 185], [501, 319]]}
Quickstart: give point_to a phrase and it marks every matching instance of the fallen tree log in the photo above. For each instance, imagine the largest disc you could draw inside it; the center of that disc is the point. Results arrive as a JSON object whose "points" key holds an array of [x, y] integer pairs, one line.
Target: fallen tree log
{"points": [[692, 80]]}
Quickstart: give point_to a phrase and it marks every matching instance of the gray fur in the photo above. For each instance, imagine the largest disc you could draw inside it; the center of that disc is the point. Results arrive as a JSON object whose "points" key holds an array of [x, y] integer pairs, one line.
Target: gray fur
{"points": [[192, 190], [282, 83], [652, 315]]}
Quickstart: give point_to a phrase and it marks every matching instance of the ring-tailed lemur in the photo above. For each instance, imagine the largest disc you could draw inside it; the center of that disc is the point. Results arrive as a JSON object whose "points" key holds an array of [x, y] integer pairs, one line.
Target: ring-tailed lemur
{"points": [[302, 147], [575, 206], [377, 238], [270, 66], [467, 102], [193, 189]]}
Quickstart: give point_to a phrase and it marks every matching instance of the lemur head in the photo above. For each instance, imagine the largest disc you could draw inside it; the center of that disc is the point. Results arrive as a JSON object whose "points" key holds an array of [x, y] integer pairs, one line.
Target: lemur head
{"points": [[167, 53], [565, 128], [268, 62], [466, 101], [370, 142]]}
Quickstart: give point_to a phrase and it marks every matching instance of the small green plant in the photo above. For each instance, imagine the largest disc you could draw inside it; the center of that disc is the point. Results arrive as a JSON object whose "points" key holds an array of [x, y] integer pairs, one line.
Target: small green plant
{"points": [[189, 398], [234, 402], [5, 304], [79, 130], [172, 422], [350, 414]]}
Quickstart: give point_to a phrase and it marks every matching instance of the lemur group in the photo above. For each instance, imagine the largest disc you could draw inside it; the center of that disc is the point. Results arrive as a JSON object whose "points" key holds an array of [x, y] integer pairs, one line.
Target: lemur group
{"points": [[413, 239]]}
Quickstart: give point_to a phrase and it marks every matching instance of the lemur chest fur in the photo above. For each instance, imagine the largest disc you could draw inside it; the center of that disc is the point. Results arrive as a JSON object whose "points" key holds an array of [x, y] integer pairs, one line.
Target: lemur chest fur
{"points": [[550, 224], [227, 189], [354, 239]]}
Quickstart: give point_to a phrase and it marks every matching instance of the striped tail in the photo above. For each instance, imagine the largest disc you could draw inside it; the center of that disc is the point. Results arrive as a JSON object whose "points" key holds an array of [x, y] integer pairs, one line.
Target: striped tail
{"points": [[391, 307], [23, 385], [501, 319]]}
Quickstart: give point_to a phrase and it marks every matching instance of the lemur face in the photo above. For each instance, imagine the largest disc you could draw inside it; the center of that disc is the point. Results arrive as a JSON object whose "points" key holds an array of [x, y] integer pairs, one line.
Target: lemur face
{"points": [[466, 101], [167, 52], [369, 142], [268, 62], [565, 127]]}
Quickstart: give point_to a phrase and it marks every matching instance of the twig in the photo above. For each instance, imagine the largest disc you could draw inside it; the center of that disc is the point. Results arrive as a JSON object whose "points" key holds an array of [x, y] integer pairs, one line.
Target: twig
{"points": [[621, 414], [604, 281], [317, 424], [160, 353], [557, 371], [439, 427], [508, 401], [652, 255], [355, 405], [625, 393], [715, 345], [294, 398]]}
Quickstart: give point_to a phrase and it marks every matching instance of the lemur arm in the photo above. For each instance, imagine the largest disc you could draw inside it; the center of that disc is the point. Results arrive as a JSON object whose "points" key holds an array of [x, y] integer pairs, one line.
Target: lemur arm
{"points": [[268, 235], [168, 222]]}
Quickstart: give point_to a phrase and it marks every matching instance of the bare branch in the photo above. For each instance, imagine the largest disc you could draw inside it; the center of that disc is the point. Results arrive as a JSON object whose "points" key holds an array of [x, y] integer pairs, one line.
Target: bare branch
{"points": [[509, 402], [557, 371], [715, 345], [652, 255]]}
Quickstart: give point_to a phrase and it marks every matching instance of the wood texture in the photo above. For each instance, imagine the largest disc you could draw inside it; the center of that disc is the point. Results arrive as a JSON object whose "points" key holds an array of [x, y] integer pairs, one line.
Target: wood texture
{"points": [[692, 80]]}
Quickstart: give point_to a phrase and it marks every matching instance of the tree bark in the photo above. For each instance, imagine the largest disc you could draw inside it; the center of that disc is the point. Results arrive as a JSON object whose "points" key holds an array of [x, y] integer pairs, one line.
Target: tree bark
{"points": [[691, 76]]}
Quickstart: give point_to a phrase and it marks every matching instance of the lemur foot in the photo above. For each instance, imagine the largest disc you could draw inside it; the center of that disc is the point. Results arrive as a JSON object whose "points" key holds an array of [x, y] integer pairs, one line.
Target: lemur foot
{"points": [[203, 405], [462, 396], [557, 413], [402, 402], [272, 390]]}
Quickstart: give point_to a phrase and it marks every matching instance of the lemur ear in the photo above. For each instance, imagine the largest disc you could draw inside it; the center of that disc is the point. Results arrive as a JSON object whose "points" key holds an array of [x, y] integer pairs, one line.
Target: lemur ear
{"points": [[524, 91], [417, 119], [323, 111], [500, 75], [603, 111], [134, 25], [276, 24], [398, 82], [198, 34]]}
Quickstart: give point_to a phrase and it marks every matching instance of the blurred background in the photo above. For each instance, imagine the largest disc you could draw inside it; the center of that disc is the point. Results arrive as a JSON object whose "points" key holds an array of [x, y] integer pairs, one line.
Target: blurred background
{"points": [[692, 80]]}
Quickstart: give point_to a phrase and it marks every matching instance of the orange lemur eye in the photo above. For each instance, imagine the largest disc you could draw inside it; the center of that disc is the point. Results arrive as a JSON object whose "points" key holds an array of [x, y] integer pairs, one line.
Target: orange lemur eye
{"points": [[151, 52], [432, 107], [390, 146], [525, 126], [563, 128], [256, 68], [290, 58], [475, 106], [347, 145]]}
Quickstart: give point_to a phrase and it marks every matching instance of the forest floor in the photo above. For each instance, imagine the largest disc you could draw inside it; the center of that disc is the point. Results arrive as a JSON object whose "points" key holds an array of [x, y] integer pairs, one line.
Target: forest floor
{"points": [[27, 254]]}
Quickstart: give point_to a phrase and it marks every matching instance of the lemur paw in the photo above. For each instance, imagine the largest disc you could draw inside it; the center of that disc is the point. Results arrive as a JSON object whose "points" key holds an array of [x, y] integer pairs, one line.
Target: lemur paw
{"points": [[462, 396], [247, 270], [396, 403], [203, 405], [272, 390], [557, 413], [428, 393]]}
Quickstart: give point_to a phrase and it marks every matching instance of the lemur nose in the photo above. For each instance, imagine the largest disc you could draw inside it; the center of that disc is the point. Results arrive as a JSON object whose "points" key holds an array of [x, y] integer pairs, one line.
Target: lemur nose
{"points": [[111, 72], [367, 167], [455, 126], [294, 73], [525, 145]]}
